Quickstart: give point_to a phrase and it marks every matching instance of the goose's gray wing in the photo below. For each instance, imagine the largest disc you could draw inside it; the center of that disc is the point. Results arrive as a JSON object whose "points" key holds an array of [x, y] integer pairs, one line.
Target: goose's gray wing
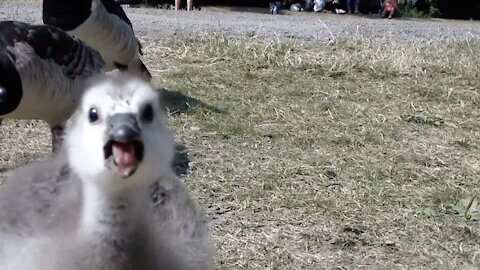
{"points": [[52, 44], [68, 15], [114, 8], [38, 197]]}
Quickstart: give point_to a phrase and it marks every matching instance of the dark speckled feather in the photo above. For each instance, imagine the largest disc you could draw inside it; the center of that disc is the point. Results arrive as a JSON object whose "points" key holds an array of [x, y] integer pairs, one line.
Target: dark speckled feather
{"points": [[53, 44], [42, 73]]}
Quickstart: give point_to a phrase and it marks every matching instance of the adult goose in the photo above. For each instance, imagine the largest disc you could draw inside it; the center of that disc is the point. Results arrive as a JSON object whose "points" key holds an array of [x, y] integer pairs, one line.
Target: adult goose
{"points": [[103, 25], [43, 72]]}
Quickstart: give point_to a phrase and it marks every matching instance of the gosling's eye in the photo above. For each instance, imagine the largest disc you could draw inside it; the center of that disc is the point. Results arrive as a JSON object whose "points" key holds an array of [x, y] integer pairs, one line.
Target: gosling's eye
{"points": [[147, 113], [93, 115]]}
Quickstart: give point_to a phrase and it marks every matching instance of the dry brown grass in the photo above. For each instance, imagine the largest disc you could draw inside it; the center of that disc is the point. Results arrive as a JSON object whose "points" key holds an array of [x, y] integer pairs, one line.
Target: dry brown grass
{"points": [[346, 155]]}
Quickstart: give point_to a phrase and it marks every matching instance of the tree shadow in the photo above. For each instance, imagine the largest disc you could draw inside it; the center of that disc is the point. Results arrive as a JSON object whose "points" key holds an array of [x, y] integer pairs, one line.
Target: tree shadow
{"points": [[176, 102]]}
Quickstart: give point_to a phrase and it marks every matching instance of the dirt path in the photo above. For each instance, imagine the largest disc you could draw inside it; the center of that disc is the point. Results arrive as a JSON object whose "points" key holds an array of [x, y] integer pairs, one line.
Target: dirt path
{"points": [[158, 22]]}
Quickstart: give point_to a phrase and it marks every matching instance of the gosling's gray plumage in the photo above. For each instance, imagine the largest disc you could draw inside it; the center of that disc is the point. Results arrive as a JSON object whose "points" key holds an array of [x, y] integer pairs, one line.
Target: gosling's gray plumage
{"points": [[99, 209], [103, 25], [43, 72]]}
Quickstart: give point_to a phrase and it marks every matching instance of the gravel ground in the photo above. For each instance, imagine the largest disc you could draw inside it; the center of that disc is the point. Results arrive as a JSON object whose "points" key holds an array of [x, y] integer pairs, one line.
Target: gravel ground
{"points": [[159, 22], [370, 215]]}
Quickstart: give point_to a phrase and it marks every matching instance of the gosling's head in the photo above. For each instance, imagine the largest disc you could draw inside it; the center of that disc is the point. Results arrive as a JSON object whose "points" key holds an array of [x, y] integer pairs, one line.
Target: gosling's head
{"points": [[119, 133]]}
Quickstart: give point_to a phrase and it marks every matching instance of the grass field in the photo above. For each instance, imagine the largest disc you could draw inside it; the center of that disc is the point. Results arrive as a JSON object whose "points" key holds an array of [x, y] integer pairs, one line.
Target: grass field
{"points": [[359, 153]]}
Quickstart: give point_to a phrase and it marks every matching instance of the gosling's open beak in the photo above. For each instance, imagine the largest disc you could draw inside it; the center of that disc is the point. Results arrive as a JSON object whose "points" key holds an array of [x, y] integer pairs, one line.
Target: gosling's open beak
{"points": [[124, 146]]}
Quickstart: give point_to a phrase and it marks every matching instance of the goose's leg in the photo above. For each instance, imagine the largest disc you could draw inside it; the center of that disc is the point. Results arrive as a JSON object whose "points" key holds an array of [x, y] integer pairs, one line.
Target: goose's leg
{"points": [[57, 136], [1, 121]]}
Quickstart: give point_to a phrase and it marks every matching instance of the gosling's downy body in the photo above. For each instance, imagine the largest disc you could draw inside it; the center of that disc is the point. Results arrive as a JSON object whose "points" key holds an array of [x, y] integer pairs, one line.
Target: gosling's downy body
{"points": [[115, 203]]}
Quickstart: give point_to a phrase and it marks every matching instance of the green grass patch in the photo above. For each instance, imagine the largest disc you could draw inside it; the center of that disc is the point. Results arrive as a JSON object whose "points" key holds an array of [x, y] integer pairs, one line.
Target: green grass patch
{"points": [[306, 155], [395, 123]]}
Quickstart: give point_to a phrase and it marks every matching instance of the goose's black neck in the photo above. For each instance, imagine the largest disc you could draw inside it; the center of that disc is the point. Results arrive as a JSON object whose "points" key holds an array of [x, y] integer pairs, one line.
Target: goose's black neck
{"points": [[69, 14], [66, 14]]}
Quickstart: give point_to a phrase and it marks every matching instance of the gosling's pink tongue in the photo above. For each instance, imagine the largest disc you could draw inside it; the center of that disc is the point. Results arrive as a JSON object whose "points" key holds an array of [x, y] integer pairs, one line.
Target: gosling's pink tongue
{"points": [[124, 156]]}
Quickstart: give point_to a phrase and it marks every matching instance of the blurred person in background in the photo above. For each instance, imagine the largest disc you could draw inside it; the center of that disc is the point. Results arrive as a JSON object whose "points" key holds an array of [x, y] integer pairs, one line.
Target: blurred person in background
{"points": [[178, 3], [356, 4], [327, 5], [388, 8], [317, 6], [275, 7]]}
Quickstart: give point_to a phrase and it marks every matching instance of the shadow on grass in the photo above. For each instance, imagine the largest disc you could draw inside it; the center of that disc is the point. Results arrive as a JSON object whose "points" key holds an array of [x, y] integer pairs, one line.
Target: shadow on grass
{"points": [[180, 165], [177, 102], [181, 162]]}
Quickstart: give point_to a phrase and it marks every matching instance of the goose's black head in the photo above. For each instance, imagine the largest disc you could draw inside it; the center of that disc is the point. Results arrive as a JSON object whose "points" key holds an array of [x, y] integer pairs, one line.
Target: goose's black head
{"points": [[10, 85]]}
